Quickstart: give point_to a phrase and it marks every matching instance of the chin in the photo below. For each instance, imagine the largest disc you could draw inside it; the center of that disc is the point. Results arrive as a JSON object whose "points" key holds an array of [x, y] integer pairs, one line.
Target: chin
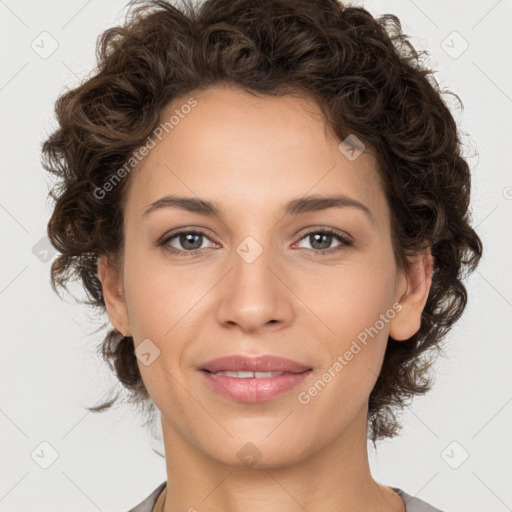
{"points": [[258, 449]]}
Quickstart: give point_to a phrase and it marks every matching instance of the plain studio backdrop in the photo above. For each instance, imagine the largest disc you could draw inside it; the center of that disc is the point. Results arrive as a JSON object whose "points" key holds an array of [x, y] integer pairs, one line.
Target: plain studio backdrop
{"points": [[455, 447]]}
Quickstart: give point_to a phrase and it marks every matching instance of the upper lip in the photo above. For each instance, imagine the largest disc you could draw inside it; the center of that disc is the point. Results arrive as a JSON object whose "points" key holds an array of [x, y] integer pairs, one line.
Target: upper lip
{"points": [[265, 363]]}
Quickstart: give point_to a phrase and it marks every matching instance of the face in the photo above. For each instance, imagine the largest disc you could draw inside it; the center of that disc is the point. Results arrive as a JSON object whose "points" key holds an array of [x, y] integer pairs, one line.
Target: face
{"points": [[316, 283]]}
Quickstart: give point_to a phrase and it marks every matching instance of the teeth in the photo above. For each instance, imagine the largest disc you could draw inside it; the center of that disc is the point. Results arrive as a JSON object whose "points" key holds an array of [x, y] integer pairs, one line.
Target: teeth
{"points": [[250, 375]]}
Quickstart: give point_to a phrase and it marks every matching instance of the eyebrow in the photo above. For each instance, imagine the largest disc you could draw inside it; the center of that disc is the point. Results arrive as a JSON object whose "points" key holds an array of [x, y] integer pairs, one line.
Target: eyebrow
{"points": [[294, 207]]}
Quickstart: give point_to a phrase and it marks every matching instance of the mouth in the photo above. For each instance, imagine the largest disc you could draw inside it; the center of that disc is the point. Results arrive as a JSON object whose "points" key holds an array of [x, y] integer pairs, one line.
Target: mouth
{"points": [[254, 364], [249, 375], [253, 379]]}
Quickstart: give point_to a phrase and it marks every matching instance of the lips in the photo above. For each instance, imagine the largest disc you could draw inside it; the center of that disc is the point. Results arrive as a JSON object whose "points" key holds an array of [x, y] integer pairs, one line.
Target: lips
{"points": [[253, 379], [261, 364]]}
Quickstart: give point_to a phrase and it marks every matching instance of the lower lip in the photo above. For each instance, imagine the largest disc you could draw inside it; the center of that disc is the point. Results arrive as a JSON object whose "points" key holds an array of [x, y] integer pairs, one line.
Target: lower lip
{"points": [[254, 390]]}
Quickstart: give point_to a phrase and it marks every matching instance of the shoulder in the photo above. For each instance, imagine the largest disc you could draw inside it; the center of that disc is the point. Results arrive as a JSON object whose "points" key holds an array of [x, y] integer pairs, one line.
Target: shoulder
{"points": [[147, 504], [415, 504]]}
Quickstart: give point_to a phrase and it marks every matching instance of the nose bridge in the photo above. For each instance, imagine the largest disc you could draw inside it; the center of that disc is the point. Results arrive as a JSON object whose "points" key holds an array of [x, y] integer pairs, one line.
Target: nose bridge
{"points": [[253, 295], [252, 260]]}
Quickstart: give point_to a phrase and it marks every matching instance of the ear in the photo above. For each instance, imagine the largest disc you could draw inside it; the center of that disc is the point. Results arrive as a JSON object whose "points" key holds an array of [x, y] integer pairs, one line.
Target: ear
{"points": [[418, 278], [111, 283]]}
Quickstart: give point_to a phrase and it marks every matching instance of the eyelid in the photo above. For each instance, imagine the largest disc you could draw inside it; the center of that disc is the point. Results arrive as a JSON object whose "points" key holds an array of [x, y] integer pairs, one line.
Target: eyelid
{"points": [[345, 240], [324, 229], [187, 230]]}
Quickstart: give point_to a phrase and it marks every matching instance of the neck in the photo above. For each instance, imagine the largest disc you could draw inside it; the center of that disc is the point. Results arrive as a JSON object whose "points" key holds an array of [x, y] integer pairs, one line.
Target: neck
{"points": [[335, 478]]}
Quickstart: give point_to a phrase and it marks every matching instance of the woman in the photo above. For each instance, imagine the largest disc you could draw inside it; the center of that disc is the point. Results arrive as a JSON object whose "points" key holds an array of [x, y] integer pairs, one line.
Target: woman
{"points": [[269, 200]]}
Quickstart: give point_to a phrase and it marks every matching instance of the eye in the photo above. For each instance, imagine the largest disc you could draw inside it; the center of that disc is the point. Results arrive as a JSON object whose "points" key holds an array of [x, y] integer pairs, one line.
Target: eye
{"points": [[190, 242], [321, 241]]}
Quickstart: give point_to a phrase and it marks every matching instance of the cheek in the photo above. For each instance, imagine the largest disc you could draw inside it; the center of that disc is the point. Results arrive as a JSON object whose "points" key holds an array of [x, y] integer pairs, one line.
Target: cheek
{"points": [[165, 305], [352, 297], [356, 306], [358, 314], [157, 295]]}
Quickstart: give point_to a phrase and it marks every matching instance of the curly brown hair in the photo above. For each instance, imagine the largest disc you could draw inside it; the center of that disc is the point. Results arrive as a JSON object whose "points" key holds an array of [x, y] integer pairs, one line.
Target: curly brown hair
{"points": [[364, 74]]}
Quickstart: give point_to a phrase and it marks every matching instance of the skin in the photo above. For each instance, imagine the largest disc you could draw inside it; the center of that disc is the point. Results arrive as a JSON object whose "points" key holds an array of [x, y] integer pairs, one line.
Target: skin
{"points": [[252, 154]]}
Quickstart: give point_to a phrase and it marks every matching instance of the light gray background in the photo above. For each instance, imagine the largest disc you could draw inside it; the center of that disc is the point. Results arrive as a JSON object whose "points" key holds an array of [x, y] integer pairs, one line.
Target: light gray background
{"points": [[48, 367]]}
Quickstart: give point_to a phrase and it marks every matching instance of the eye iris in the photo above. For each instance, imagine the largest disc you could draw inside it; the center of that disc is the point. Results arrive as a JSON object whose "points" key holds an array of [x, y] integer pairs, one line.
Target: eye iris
{"points": [[184, 241], [325, 237]]}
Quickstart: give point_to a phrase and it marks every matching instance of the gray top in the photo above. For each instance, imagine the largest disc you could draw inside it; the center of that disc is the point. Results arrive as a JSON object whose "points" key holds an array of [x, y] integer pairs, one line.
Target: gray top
{"points": [[411, 504]]}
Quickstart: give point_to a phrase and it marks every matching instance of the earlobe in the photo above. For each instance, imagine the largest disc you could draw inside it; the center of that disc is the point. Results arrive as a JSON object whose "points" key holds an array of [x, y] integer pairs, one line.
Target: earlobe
{"points": [[113, 295], [419, 279]]}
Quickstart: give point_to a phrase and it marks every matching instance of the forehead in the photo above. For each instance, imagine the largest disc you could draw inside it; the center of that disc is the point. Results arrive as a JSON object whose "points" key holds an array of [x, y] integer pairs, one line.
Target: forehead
{"points": [[250, 151]]}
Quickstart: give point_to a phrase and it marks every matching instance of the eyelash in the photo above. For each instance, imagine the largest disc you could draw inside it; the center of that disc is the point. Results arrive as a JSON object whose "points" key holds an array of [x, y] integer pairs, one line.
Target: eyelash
{"points": [[345, 242]]}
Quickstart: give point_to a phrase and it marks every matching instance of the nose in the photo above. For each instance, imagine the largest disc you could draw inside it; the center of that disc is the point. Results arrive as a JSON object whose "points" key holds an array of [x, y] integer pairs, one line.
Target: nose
{"points": [[255, 295]]}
